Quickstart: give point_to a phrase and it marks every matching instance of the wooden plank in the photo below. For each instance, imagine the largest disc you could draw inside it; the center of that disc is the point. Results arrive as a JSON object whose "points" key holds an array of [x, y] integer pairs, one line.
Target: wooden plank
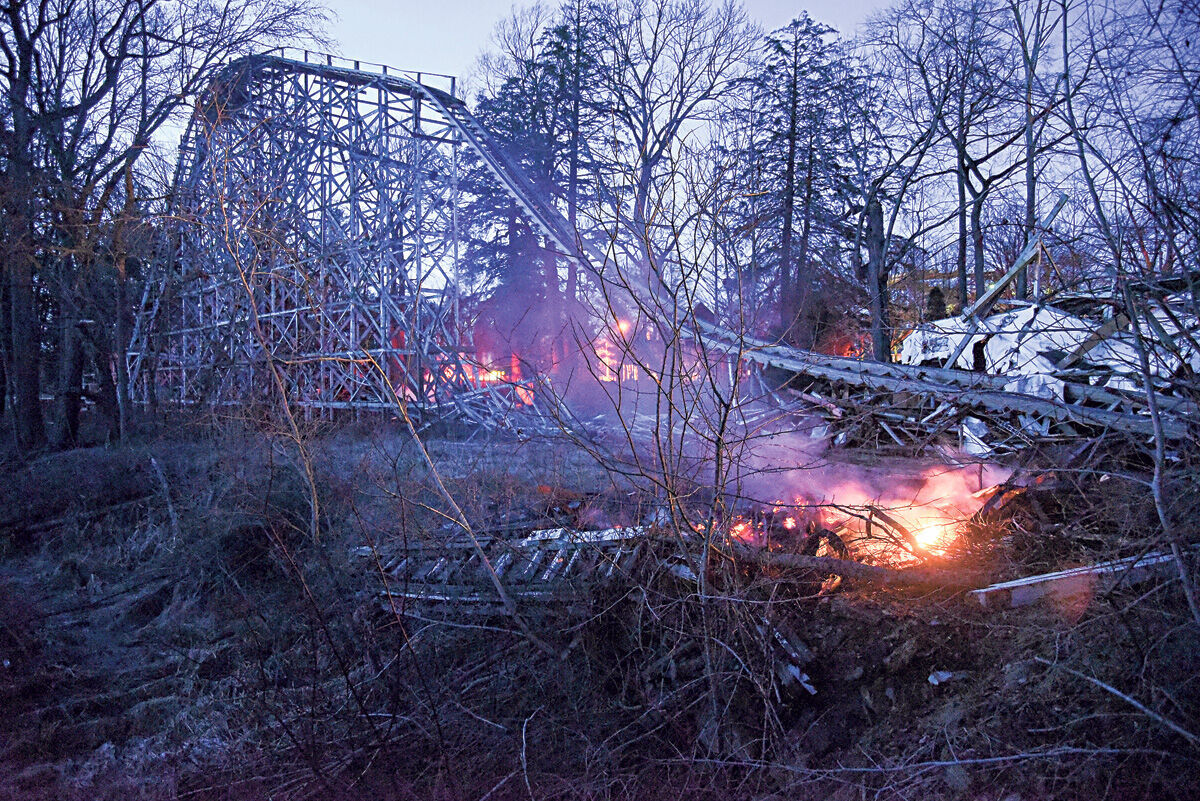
{"points": [[1078, 581], [993, 292], [1109, 327]]}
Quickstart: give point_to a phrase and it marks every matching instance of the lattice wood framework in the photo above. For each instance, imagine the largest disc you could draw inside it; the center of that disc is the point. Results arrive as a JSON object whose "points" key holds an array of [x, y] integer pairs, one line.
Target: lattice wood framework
{"points": [[317, 233]]}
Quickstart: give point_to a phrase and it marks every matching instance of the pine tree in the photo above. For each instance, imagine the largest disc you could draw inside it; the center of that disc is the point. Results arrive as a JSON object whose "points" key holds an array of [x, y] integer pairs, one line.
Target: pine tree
{"points": [[793, 162]]}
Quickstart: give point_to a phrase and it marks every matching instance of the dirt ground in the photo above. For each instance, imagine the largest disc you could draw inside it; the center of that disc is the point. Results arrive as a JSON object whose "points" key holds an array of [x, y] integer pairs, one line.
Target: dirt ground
{"points": [[171, 626]]}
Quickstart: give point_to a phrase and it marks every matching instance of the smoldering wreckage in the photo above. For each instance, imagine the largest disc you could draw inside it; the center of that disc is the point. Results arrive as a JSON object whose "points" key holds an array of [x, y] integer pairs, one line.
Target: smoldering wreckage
{"points": [[863, 470]]}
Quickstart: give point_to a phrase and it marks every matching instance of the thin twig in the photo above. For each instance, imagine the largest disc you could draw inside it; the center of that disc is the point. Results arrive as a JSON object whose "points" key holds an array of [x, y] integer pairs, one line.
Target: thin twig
{"points": [[1170, 724], [524, 762], [166, 493]]}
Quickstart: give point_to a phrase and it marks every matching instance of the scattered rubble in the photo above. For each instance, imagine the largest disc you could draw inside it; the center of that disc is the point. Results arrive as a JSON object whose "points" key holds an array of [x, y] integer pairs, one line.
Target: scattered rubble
{"points": [[1044, 351]]}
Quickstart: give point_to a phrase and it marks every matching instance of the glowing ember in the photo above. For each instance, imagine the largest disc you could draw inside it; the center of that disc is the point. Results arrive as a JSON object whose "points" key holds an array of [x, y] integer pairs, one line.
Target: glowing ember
{"points": [[742, 531]]}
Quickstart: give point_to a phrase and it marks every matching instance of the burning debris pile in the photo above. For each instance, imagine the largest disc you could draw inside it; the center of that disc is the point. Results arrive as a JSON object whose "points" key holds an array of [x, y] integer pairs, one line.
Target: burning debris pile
{"points": [[578, 541], [896, 512], [869, 463]]}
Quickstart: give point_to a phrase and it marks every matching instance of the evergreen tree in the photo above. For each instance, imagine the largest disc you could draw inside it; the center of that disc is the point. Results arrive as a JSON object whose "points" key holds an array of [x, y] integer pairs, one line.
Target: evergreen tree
{"points": [[792, 164]]}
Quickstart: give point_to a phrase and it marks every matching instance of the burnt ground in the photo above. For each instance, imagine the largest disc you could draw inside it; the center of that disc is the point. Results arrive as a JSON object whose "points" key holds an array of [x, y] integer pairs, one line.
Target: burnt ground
{"points": [[184, 635]]}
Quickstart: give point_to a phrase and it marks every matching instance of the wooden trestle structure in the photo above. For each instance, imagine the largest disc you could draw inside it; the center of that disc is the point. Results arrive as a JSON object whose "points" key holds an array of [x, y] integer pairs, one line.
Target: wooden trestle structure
{"points": [[315, 230]]}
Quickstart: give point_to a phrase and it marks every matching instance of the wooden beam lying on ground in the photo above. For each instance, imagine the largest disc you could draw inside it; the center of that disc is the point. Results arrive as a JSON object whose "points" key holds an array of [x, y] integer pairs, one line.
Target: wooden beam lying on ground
{"points": [[1076, 582]]}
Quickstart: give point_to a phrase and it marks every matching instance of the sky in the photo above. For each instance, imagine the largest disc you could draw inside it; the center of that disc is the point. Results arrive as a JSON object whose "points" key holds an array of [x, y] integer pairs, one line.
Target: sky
{"points": [[446, 36]]}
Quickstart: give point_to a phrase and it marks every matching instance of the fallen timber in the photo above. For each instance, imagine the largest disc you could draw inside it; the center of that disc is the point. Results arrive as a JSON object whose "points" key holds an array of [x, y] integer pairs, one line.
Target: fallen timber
{"points": [[1075, 582], [558, 564], [549, 565], [963, 391], [543, 566], [535, 567]]}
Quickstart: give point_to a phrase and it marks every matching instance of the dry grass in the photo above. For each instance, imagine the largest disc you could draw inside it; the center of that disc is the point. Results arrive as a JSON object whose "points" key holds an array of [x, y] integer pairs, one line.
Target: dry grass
{"points": [[233, 656]]}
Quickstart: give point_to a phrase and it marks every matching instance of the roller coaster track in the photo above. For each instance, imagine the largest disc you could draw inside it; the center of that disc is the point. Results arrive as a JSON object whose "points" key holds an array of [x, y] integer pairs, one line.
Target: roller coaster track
{"points": [[948, 393]]}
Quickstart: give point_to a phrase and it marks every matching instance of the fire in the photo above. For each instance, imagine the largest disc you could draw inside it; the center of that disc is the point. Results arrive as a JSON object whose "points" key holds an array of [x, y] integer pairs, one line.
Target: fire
{"points": [[930, 530], [611, 363], [911, 525], [522, 391], [892, 513], [742, 530], [491, 376]]}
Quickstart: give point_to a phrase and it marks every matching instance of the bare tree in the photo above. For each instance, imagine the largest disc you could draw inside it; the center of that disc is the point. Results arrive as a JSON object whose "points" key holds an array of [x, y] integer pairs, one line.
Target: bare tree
{"points": [[666, 67], [1033, 27], [88, 85]]}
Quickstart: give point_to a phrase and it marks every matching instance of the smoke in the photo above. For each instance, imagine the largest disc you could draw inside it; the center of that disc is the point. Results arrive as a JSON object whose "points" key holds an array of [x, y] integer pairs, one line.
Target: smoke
{"points": [[793, 465], [676, 410]]}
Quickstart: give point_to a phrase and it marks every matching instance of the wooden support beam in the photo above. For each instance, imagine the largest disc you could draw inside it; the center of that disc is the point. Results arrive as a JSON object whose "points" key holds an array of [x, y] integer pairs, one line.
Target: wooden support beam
{"points": [[1110, 326], [1076, 582], [984, 302]]}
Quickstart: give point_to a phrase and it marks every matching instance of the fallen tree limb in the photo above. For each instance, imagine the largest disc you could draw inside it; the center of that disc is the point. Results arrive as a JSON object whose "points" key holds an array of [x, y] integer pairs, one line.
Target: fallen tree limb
{"points": [[896, 577]]}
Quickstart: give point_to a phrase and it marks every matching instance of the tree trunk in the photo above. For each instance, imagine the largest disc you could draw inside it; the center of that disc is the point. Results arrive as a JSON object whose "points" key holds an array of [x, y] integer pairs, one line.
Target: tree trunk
{"points": [[641, 227], [557, 334], [977, 239], [573, 165], [123, 335], [107, 400], [70, 378], [789, 307], [5, 342], [805, 331], [25, 348], [964, 297], [1022, 285], [877, 284]]}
